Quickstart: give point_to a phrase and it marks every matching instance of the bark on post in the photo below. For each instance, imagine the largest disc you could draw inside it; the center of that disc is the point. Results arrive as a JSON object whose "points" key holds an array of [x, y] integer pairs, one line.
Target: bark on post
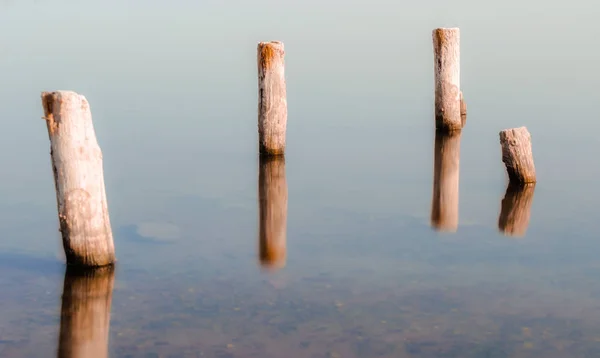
{"points": [[272, 101], [79, 180], [517, 155], [85, 312], [516, 209], [446, 51], [273, 196], [444, 206]]}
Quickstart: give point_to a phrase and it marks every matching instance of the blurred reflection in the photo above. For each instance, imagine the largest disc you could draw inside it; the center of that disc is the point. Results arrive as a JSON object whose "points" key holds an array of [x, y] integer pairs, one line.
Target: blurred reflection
{"points": [[516, 208], [85, 313], [444, 206], [273, 196]]}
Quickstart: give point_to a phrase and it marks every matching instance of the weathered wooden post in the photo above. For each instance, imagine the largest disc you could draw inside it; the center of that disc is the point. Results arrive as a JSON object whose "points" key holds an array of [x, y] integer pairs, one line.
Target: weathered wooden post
{"points": [[272, 101], [85, 312], [446, 170], [273, 196], [516, 209], [517, 155], [446, 53], [79, 180]]}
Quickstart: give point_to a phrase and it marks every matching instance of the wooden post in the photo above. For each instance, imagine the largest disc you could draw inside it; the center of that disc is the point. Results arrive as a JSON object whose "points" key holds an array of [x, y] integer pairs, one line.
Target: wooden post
{"points": [[85, 312], [446, 53], [273, 196], [272, 101], [79, 180], [515, 209], [517, 155], [446, 170]]}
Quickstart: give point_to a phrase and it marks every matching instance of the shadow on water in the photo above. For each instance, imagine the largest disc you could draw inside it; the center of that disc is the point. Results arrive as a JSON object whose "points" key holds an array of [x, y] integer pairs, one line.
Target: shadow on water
{"points": [[444, 206], [85, 312], [273, 198], [516, 210], [130, 233]]}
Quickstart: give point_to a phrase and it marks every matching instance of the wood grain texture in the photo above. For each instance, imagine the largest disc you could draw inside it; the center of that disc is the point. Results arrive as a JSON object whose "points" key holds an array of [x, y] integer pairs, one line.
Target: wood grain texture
{"points": [[446, 51], [85, 312], [79, 180], [272, 98], [273, 198], [517, 155], [516, 209], [446, 170]]}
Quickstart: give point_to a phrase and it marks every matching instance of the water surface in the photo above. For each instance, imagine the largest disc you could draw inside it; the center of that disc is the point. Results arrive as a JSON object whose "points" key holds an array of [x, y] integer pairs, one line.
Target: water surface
{"points": [[354, 266]]}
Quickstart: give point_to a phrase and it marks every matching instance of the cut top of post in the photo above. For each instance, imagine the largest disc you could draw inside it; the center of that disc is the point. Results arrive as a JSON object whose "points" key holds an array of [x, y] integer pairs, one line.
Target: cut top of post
{"points": [[268, 51], [60, 106], [443, 34], [517, 155]]}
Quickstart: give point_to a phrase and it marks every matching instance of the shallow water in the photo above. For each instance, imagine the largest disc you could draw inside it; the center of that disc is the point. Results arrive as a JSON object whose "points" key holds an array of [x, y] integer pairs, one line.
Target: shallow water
{"points": [[360, 269]]}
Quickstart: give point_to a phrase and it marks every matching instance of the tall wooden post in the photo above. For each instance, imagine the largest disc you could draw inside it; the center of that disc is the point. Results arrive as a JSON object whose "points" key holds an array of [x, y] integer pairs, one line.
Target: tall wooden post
{"points": [[446, 170], [79, 180], [446, 52], [273, 197], [85, 312], [272, 101], [517, 155], [516, 209]]}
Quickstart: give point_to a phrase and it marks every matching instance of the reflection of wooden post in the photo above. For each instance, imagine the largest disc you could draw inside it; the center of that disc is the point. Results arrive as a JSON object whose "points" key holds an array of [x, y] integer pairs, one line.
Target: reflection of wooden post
{"points": [[272, 101], [444, 206], [85, 313], [79, 180], [446, 53], [516, 209], [273, 196], [517, 155]]}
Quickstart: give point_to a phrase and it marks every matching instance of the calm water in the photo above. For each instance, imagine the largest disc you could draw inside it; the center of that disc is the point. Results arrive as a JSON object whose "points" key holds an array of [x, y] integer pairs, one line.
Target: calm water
{"points": [[360, 271]]}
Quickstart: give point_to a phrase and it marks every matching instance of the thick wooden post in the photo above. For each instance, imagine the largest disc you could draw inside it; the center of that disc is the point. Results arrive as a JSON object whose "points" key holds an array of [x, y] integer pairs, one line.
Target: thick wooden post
{"points": [[517, 155], [446, 170], [79, 180], [85, 312], [446, 53], [272, 101], [515, 209], [273, 196]]}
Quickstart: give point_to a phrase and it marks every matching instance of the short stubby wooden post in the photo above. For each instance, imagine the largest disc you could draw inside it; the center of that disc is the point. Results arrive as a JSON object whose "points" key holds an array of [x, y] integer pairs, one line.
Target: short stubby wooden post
{"points": [[517, 155], [273, 197], [272, 101], [446, 54], [85, 312], [446, 170], [515, 209], [79, 180]]}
